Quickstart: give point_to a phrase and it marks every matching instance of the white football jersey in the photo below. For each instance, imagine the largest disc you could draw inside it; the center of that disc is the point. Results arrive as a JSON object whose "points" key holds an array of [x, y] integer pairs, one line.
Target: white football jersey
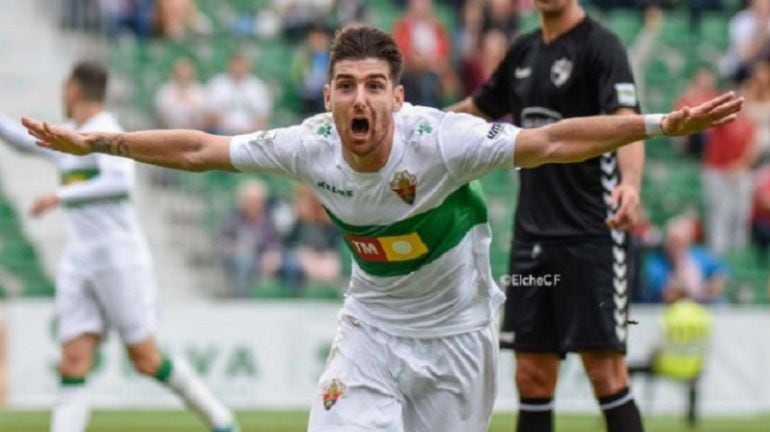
{"points": [[417, 229]]}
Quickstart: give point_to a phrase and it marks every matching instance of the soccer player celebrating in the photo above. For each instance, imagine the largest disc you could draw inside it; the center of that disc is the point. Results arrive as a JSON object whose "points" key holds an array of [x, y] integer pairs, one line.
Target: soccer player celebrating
{"points": [[571, 219], [105, 277], [415, 348]]}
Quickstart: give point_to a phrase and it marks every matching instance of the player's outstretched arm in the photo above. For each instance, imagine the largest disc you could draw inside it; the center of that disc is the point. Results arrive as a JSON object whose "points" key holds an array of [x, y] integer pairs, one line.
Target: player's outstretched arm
{"points": [[577, 139], [186, 150]]}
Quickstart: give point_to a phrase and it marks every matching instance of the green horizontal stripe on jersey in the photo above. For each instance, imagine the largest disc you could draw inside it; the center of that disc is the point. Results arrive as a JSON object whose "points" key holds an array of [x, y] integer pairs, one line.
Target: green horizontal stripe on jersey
{"points": [[72, 381], [78, 175], [81, 203], [440, 228]]}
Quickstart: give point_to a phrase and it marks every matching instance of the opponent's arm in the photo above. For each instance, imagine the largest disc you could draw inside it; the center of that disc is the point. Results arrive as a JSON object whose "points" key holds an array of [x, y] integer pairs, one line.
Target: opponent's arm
{"points": [[186, 150], [631, 158], [578, 139], [626, 196]]}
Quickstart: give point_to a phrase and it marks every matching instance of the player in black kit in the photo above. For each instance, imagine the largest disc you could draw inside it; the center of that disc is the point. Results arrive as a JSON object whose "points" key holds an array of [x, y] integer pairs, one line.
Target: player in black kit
{"points": [[571, 220]]}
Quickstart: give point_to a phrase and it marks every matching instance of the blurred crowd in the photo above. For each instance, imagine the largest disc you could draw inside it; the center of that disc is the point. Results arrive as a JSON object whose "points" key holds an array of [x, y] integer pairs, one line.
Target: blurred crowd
{"points": [[262, 240]]}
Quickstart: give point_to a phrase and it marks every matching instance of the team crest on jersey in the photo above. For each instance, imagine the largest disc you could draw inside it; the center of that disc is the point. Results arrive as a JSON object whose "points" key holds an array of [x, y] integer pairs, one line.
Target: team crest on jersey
{"points": [[561, 71], [404, 185], [332, 391]]}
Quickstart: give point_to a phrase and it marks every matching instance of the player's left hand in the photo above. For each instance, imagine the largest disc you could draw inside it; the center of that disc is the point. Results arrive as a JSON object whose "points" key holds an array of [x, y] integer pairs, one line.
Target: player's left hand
{"points": [[687, 121], [43, 204], [626, 199]]}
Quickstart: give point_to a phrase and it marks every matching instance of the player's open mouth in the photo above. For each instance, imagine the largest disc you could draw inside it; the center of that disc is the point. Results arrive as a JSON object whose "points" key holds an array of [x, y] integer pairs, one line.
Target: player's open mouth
{"points": [[360, 126]]}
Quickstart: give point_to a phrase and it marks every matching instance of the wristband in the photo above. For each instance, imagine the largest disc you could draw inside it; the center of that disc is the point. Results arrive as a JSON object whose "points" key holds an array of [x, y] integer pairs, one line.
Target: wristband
{"points": [[653, 124]]}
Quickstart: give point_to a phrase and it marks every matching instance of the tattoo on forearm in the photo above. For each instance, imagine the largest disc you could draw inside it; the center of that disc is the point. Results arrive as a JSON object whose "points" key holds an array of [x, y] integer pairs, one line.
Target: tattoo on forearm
{"points": [[114, 145], [101, 145], [121, 148]]}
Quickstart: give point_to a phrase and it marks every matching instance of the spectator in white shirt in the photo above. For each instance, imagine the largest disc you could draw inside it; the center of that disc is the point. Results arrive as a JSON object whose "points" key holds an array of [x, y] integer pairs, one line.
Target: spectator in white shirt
{"points": [[179, 102], [238, 102]]}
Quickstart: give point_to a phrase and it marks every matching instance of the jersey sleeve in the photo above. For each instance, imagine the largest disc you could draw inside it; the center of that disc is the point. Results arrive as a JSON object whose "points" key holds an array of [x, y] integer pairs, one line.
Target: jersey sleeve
{"points": [[492, 97], [115, 179], [616, 88], [472, 147], [275, 151]]}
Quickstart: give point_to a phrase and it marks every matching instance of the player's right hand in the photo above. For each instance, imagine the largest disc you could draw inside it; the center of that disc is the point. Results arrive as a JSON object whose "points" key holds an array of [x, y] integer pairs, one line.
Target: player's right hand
{"points": [[56, 138]]}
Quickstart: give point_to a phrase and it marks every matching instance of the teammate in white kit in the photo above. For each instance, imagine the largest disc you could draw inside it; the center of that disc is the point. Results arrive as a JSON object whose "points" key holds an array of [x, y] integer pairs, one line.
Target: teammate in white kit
{"points": [[105, 276], [415, 350]]}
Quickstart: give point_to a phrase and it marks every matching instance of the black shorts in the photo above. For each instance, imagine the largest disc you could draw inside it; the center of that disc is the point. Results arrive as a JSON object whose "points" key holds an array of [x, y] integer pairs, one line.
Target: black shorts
{"points": [[567, 297]]}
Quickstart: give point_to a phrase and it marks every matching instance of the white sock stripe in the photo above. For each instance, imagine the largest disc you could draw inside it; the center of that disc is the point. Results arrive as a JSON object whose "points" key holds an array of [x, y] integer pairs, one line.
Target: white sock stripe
{"points": [[617, 403], [536, 407]]}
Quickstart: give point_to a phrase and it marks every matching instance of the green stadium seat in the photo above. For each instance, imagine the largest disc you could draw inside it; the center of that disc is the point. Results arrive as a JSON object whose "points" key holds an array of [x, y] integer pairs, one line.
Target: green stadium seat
{"points": [[529, 21], [748, 278], [319, 291], [714, 30], [447, 15], [17, 256], [270, 289], [626, 23], [676, 31]]}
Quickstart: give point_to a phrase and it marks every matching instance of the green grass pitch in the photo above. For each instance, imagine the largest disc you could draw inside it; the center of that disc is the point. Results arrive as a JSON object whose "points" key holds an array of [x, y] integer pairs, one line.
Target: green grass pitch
{"points": [[180, 421]]}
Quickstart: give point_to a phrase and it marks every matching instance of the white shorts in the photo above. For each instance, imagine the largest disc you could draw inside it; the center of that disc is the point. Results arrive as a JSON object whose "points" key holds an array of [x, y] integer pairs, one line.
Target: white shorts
{"points": [[375, 381], [107, 286]]}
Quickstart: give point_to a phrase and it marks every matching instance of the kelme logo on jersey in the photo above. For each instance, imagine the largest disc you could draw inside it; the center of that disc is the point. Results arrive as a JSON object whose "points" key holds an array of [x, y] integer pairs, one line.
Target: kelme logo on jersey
{"points": [[332, 391], [404, 185], [561, 71], [334, 189], [387, 248], [494, 130]]}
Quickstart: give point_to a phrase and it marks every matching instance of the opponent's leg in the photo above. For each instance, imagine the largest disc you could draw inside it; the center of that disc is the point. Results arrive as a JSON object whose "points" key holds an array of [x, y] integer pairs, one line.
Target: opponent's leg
{"points": [[608, 374], [536, 376]]}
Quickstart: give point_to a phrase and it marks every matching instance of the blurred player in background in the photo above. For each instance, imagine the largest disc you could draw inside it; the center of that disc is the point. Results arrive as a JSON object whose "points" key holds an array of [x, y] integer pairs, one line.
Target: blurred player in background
{"points": [[415, 349], [570, 219], [105, 277]]}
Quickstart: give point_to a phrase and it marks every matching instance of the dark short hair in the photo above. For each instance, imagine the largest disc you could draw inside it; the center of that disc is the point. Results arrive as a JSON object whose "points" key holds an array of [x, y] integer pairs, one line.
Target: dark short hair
{"points": [[359, 42], [91, 77]]}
